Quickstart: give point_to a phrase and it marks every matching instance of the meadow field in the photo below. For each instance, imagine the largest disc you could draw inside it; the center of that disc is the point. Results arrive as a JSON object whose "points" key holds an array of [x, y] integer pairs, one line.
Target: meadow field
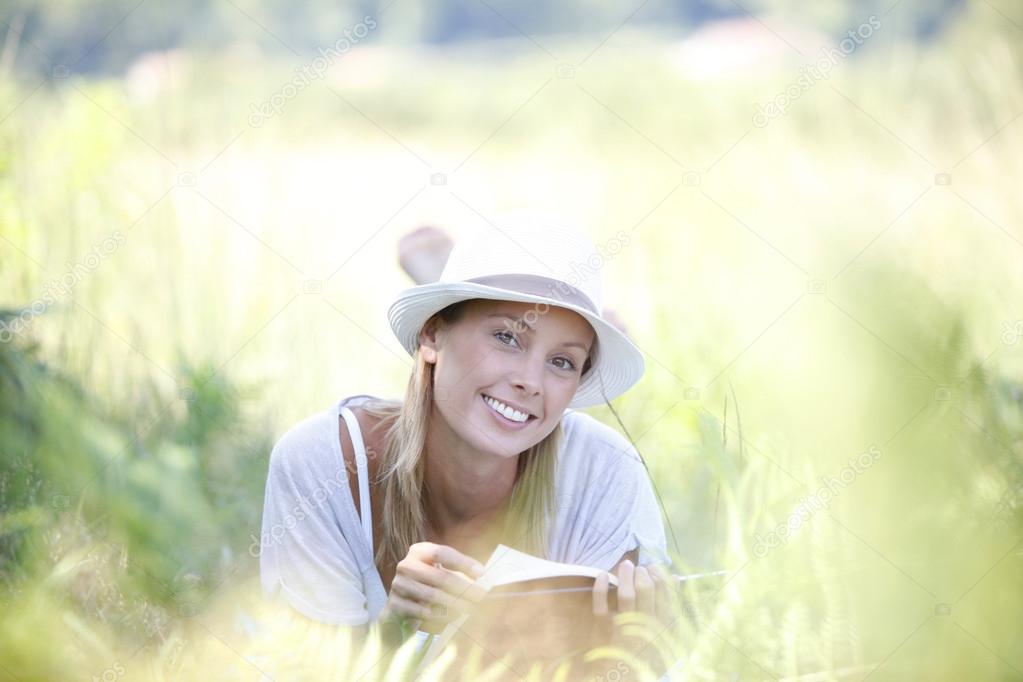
{"points": [[823, 272]]}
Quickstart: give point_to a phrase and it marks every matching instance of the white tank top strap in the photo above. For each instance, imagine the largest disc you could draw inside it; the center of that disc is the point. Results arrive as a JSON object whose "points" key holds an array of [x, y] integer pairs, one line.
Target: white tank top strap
{"points": [[362, 466]]}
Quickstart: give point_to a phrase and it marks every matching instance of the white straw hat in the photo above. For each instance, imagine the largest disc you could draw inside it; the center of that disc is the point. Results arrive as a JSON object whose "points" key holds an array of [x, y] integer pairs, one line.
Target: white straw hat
{"points": [[532, 259]]}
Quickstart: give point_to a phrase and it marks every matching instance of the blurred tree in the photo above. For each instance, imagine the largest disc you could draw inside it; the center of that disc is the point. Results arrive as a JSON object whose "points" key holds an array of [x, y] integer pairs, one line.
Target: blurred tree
{"points": [[919, 18], [106, 36]]}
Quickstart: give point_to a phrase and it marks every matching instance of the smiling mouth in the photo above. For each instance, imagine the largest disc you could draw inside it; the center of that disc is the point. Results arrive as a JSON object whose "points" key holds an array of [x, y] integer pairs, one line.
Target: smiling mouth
{"points": [[529, 417]]}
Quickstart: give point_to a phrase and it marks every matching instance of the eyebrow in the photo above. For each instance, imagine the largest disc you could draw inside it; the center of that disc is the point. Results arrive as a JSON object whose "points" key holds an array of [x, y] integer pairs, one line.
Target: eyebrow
{"points": [[520, 320]]}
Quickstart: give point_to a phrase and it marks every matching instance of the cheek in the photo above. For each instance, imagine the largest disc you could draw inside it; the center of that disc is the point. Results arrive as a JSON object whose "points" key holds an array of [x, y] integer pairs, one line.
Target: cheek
{"points": [[561, 391], [465, 367]]}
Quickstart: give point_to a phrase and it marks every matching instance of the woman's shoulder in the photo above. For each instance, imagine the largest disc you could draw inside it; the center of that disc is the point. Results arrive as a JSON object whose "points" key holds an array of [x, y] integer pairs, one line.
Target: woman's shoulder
{"points": [[590, 441], [313, 445], [306, 445]]}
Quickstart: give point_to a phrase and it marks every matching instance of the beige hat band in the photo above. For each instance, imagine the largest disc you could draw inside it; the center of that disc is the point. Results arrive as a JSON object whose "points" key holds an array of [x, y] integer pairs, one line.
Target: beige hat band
{"points": [[559, 291]]}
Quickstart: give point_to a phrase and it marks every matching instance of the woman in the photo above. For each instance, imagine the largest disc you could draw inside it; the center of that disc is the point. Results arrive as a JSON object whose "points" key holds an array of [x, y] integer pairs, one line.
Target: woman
{"points": [[486, 447]]}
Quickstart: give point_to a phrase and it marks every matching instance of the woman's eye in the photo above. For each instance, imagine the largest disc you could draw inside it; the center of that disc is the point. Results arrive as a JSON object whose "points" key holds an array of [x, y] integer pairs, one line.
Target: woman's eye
{"points": [[501, 334], [569, 364], [504, 334]]}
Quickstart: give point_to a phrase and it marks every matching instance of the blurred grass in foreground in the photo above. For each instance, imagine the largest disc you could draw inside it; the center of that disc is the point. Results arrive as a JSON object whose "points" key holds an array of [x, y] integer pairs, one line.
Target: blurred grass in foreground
{"points": [[137, 414]]}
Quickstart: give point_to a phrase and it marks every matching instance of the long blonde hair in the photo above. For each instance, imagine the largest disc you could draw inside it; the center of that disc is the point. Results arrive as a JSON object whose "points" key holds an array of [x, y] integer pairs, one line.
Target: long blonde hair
{"points": [[527, 518]]}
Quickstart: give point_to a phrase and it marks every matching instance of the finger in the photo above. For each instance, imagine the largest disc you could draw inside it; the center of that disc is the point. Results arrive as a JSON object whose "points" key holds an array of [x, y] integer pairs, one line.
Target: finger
{"points": [[668, 597], [422, 593], [662, 594], [456, 584], [600, 594], [462, 571], [659, 572], [452, 582], [441, 613], [456, 561], [645, 591], [408, 608], [443, 602], [626, 586]]}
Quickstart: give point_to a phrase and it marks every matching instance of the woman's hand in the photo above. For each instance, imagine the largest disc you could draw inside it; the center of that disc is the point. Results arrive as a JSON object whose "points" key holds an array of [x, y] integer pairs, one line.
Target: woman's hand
{"points": [[430, 584], [646, 589]]}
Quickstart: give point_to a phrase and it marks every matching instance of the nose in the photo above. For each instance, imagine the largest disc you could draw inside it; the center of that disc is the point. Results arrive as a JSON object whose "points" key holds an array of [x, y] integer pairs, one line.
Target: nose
{"points": [[528, 375]]}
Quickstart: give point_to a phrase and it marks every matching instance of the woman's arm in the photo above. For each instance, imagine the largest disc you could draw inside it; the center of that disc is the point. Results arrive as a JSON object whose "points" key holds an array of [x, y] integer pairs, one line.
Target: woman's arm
{"points": [[305, 549]]}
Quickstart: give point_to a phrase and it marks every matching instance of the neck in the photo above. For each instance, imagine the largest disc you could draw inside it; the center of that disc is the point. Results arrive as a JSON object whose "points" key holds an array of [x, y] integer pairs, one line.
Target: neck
{"points": [[467, 488]]}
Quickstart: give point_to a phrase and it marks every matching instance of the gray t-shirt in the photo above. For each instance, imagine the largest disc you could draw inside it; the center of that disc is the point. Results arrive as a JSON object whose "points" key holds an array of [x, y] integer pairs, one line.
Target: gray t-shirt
{"points": [[313, 552]]}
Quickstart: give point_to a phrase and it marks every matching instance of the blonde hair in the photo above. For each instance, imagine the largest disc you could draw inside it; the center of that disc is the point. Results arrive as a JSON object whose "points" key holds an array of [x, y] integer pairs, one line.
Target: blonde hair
{"points": [[532, 502]]}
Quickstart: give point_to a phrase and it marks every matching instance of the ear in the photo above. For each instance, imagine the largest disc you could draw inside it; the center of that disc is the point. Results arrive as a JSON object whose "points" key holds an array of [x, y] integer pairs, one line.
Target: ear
{"points": [[428, 341]]}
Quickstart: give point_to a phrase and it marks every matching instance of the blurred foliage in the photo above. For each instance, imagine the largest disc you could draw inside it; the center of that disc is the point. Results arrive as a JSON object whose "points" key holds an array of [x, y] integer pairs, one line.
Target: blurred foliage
{"points": [[75, 34], [121, 522]]}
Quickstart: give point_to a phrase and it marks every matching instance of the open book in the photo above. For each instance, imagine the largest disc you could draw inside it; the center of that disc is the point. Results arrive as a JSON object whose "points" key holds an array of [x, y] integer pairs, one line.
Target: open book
{"points": [[510, 567], [531, 602], [507, 565]]}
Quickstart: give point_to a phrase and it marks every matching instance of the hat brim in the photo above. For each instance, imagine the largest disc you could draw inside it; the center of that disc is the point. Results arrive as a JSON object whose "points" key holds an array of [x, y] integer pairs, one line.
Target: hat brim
{"points": [[619, 363]]}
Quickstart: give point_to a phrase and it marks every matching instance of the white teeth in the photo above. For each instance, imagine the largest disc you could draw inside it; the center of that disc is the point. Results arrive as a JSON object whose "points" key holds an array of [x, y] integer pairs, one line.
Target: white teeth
{"points": [[508, 412]]}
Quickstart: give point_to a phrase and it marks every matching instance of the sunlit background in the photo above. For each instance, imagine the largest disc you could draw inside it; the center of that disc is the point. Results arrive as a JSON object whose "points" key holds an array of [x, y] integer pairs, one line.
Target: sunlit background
{"points": [[812, 215]]}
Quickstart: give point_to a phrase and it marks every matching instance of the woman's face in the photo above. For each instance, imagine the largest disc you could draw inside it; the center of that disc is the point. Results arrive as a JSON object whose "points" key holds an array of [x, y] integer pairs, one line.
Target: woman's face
{"points": [[526, 356]]}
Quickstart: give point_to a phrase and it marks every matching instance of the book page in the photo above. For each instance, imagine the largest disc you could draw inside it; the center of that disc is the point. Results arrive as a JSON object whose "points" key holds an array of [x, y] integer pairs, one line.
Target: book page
{"points": [[507, 565]]}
